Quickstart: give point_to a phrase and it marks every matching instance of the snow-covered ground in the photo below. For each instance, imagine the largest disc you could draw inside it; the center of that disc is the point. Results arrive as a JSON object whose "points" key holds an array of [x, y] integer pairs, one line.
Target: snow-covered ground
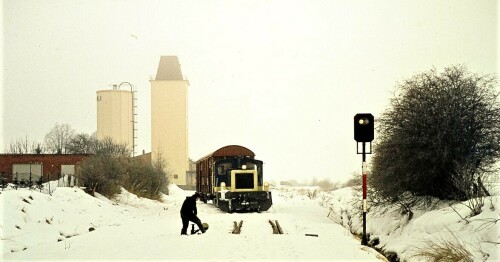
{"points": [[69, 224], [429, 227]]}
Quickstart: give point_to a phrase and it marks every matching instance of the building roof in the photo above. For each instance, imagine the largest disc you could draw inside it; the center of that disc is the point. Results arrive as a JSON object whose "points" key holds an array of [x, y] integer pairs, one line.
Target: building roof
{"points": [[169, 68], [41, 155]]}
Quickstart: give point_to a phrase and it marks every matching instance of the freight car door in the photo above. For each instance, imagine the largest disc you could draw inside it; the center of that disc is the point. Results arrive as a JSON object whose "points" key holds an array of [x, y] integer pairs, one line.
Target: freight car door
{"points": [[210, 177]]}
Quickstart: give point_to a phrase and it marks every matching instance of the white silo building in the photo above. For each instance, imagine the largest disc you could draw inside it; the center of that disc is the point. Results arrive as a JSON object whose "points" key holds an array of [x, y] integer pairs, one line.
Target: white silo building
{"points": [[115, 116], [169, 118]]}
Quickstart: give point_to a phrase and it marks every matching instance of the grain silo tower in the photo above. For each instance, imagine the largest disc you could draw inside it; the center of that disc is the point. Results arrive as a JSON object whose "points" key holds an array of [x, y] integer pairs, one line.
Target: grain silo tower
{"points": [[169, 129], [115, 116]]}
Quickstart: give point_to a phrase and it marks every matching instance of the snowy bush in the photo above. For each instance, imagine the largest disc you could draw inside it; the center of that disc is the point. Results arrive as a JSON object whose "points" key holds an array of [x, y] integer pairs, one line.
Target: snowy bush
{"points": [[145, 180], [102, 173], [111, 168], [440, 137], [312, 194], [447, 247]]}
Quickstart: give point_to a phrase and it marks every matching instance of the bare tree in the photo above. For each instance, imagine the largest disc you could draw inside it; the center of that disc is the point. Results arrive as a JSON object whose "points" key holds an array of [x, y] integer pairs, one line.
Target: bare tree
{"points": [[81, 143], [58, 138], [25, 146], [107, 146]]}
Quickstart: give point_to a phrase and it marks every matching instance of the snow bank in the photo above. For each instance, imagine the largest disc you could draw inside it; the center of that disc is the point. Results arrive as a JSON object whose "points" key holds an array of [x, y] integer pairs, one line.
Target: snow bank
{"points": [[478, 234], [31, 218], [70, 224]]}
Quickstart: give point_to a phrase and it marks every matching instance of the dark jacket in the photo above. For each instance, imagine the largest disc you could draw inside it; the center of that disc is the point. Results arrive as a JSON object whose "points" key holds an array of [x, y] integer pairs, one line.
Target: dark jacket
{"points": [[189, 206]]}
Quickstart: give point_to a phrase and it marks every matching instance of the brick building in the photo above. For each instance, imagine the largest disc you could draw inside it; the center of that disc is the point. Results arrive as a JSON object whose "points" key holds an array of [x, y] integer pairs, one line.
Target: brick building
{"points": [[52, 166]]}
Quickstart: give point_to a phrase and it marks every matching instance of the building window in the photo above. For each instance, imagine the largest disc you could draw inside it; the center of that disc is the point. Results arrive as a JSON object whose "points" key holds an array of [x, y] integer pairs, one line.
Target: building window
{"points": [[176, 177], [27, 172]]}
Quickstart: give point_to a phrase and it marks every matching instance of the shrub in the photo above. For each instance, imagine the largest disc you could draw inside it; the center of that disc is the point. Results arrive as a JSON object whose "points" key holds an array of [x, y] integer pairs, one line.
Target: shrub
{"points": [[110, 168], [312, 194], [440, 129], [355, 180], [145, 180], [446, 248], [101, 173]]}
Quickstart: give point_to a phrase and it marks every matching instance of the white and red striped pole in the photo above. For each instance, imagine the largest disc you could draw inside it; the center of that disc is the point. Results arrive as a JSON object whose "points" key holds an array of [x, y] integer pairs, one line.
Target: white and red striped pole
{"points": [[364, 239]]}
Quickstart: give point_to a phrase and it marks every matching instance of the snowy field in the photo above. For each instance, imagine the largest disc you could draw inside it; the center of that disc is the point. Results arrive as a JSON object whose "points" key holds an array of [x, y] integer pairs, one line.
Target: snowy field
{"points": [[71, 225]]}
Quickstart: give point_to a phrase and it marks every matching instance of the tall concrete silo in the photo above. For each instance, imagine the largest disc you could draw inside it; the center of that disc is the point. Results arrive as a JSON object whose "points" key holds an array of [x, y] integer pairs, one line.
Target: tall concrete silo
{"points": [[115, 116], [169, 128]]}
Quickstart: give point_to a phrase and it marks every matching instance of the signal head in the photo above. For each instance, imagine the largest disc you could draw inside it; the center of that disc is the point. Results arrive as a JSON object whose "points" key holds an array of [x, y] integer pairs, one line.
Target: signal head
{"points": [[364, 127]]}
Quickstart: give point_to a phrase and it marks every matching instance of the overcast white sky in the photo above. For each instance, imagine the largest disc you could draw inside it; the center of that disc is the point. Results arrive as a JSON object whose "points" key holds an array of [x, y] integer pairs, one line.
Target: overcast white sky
{"points": [[283, 78]]}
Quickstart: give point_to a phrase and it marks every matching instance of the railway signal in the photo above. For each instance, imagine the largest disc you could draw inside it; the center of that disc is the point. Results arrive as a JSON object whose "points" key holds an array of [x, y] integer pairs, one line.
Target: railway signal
{"points": [[364, 133], [363, 127]]}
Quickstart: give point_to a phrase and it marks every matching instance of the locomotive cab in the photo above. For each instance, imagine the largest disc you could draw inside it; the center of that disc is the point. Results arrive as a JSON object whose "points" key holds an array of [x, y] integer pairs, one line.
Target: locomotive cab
{"points": [[239, 185]]}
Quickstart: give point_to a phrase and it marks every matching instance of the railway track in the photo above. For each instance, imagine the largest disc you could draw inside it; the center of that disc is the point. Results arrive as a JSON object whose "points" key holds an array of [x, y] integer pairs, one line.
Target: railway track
{"points": [[274, 224]]}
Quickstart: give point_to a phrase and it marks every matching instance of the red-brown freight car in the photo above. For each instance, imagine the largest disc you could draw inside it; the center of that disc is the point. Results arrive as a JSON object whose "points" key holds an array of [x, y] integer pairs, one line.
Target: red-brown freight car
{"points": [[233, 179]]}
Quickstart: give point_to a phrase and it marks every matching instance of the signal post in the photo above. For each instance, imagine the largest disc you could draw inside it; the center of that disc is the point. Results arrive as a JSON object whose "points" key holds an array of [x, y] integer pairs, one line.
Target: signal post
{"points": [[364, 133]]}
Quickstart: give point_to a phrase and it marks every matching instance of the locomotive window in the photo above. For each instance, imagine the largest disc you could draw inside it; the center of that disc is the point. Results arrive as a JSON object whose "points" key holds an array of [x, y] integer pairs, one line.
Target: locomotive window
{"points": [[221, 169], [244, 181]]}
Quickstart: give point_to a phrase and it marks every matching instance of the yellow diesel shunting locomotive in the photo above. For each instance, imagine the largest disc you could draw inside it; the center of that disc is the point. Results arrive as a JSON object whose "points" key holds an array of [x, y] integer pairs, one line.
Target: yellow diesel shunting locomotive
{"points": [[233, 179]]}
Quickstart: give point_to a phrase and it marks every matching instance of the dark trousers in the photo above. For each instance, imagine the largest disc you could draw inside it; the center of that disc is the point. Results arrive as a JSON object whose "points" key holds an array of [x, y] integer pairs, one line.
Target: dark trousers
{"points": [[185, 223]]}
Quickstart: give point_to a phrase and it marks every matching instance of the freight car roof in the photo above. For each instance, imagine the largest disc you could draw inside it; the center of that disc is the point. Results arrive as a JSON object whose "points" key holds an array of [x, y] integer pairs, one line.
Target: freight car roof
{"points": [[232, 150]]}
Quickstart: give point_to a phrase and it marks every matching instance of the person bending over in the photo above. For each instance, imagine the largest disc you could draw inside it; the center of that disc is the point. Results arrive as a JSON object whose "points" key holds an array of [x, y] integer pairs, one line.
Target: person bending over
{"points": [[189, 212]]}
